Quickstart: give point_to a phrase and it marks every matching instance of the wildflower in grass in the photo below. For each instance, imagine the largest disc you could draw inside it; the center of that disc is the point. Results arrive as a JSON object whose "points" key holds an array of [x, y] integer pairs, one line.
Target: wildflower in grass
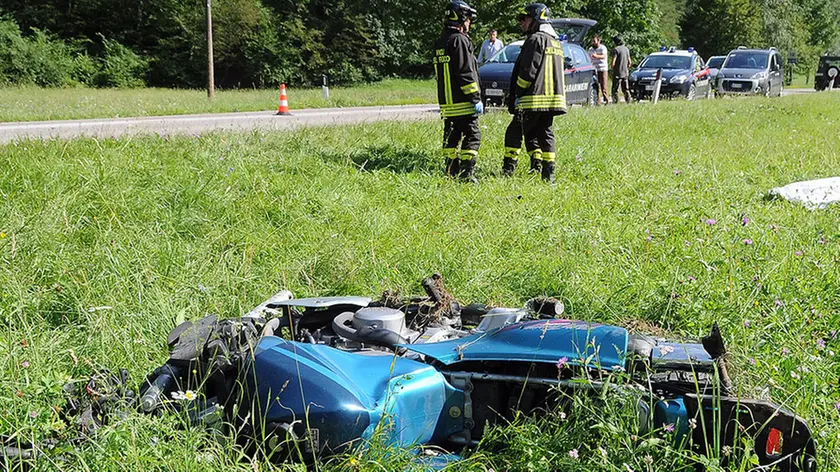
{"points": [[602, 451], [562, 363], [648, 459], [665, 350], [676, 172], [189, 396], [628, 468], [745, 221], [668, 428], [822, 240], [779, 303], [692, 423], [798, 253], [820, 344], [2, 235], [711, 221], [562, 415], [794, 375], [33, 414], [746, 323], [649, 238], [578, 158], [24, 364], [752, 361], [727, 451], [574, 454], [837, 406], [785, 351], [202, 288], [833, 334], [747, 241], [691, 278]]}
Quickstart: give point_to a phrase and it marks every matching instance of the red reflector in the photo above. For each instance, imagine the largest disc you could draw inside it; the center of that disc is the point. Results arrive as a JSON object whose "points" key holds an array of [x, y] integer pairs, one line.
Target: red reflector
{"points": [[774, 442]]}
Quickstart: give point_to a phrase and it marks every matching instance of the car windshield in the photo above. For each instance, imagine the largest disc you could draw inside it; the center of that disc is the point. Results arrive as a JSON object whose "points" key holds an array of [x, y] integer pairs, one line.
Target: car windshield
{"points": [[666, 62], [508, 54], [747, 60], [715, 62]]}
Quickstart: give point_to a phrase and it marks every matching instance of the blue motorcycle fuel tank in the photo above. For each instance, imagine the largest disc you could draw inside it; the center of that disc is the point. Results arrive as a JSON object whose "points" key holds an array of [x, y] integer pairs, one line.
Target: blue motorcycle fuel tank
{"points": [[342, 397]]}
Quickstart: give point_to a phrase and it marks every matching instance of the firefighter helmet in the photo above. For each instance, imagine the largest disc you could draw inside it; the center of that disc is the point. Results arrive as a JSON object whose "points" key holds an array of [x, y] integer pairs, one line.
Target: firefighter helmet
{"points": [[458, 12], [538, 11]]}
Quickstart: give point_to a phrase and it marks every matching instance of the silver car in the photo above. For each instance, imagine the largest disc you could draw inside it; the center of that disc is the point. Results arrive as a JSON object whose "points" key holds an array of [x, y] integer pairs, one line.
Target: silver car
{"points": [[751, 71]]}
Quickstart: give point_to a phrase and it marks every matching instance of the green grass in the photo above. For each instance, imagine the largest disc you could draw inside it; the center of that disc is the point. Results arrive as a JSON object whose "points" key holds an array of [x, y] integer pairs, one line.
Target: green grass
{"points": [[36, 104], [165, 229]]}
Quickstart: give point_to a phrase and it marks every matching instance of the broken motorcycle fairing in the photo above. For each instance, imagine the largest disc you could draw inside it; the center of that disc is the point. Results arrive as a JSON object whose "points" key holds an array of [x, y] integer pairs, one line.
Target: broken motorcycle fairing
{"points": [[307, 378]]}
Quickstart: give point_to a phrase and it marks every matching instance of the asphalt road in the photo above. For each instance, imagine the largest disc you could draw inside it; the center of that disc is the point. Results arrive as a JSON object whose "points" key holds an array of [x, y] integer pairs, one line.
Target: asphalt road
{"points": [[192, 124]]}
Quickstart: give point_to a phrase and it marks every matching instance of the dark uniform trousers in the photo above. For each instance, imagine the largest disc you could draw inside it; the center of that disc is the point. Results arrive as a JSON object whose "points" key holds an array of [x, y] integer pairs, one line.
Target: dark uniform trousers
{"points": [[461, 130], [537, 128]]}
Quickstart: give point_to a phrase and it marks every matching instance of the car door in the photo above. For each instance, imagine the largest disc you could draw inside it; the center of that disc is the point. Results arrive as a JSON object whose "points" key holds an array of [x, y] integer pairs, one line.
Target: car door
{"points": [[579, 75], [780, 75], [702, 77]]}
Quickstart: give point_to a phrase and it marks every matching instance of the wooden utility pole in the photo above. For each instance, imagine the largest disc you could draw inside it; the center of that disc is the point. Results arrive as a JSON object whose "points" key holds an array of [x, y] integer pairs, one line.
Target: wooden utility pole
{"points": [[211, 87]]}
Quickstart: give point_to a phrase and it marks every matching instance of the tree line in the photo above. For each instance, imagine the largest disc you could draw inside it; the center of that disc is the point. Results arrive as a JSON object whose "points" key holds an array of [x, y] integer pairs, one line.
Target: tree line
{"points": [[260, 43]]}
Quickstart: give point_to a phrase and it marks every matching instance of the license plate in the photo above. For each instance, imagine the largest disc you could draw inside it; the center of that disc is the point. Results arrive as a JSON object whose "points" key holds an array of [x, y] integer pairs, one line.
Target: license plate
{"points": [[494, 92], [649, 87], [736, 85]]}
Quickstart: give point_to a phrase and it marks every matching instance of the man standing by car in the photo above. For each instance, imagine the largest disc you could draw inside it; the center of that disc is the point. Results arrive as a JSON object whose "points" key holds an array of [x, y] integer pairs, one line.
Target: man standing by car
{"points": [[621, 65], [458, 92], [598, 54], [538, 91], [490, 47]]}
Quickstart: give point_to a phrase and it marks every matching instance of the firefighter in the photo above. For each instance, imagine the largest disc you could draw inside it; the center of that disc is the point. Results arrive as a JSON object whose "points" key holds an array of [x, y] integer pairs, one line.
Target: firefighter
{"points": [[456, 70], [538, 91]]}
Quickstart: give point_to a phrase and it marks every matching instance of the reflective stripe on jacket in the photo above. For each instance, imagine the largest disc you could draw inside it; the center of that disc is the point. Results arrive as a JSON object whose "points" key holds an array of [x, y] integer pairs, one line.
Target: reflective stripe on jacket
{"points": [[457, 74], [539, 82]]}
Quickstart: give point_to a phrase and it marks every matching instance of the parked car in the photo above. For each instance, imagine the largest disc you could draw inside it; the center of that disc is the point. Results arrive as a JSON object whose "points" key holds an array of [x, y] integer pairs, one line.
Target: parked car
{"points": [[752, 71], [828, 69], [684, 74], [714, 63], [580, 83]]}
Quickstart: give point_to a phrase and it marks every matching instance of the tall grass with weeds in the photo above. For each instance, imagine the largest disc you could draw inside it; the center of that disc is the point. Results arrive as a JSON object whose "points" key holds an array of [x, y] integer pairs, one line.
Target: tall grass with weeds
{"points": [[658, 221], [40, 104]]}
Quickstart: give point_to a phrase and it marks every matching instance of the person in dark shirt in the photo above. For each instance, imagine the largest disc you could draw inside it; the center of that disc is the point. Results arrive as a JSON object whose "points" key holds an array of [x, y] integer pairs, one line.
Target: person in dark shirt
{"points": [[621, 64]]}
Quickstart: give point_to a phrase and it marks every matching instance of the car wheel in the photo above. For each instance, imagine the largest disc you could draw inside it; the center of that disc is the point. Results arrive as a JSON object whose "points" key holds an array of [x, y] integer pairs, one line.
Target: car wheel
{"points": [[781, 89], [692, 92], [768, 91], [592, 96]]}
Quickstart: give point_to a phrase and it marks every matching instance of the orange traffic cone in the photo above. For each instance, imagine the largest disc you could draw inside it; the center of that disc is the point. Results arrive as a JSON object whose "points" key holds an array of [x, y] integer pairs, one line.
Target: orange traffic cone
{"points": [[283, 108]]}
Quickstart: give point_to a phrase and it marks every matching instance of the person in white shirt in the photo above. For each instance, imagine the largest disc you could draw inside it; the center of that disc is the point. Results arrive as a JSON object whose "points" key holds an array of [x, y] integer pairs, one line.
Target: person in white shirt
{"points": [[490, 47], [598, 54]]}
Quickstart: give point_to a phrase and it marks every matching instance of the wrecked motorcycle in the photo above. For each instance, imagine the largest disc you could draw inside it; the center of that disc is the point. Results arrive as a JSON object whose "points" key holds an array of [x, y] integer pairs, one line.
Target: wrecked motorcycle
{"points": [[311, 377]]}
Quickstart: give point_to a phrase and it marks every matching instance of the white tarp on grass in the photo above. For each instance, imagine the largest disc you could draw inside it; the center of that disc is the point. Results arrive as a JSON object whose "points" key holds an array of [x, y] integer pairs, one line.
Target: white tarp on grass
{"points": [[811, 193]]}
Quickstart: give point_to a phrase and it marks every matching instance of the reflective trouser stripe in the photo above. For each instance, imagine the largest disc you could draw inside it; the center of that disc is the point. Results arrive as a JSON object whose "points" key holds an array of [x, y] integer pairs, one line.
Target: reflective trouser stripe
{"points": [[522, 83], [536, 154], [470, 88], [548, 156], [447, 84], [469, 153], [512, 152], [450, 153]]}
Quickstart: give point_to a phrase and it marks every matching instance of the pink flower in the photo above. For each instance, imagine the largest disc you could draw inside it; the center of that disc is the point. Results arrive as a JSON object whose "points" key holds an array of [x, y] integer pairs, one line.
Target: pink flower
{"points": [[33, 413], [822, 240], [668, 428], [574, 454], [711, 221], [785, 351], [798, 253], [837, 406], [779, 303], [649, 238], [691, 279], [820, 344], [745, 221], [747, 241], [676, 172], [24, 364], [752, 361], [746, 323], [562, 363]]}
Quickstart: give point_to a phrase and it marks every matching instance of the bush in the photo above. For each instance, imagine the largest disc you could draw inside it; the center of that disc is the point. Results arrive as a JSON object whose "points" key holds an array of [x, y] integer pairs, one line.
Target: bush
{"points": [[120, 67], [38, 60]]}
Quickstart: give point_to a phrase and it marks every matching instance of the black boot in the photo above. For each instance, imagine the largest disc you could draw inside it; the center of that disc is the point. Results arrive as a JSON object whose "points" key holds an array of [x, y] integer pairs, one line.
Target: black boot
{"points": [[508, 166], [536, 166], [452, 167], [548, 171], [468, 171]]}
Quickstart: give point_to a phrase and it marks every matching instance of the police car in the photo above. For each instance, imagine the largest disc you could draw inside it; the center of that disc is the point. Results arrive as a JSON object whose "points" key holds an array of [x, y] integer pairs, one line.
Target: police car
{"points": [[684, 74], [580, 83]]}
